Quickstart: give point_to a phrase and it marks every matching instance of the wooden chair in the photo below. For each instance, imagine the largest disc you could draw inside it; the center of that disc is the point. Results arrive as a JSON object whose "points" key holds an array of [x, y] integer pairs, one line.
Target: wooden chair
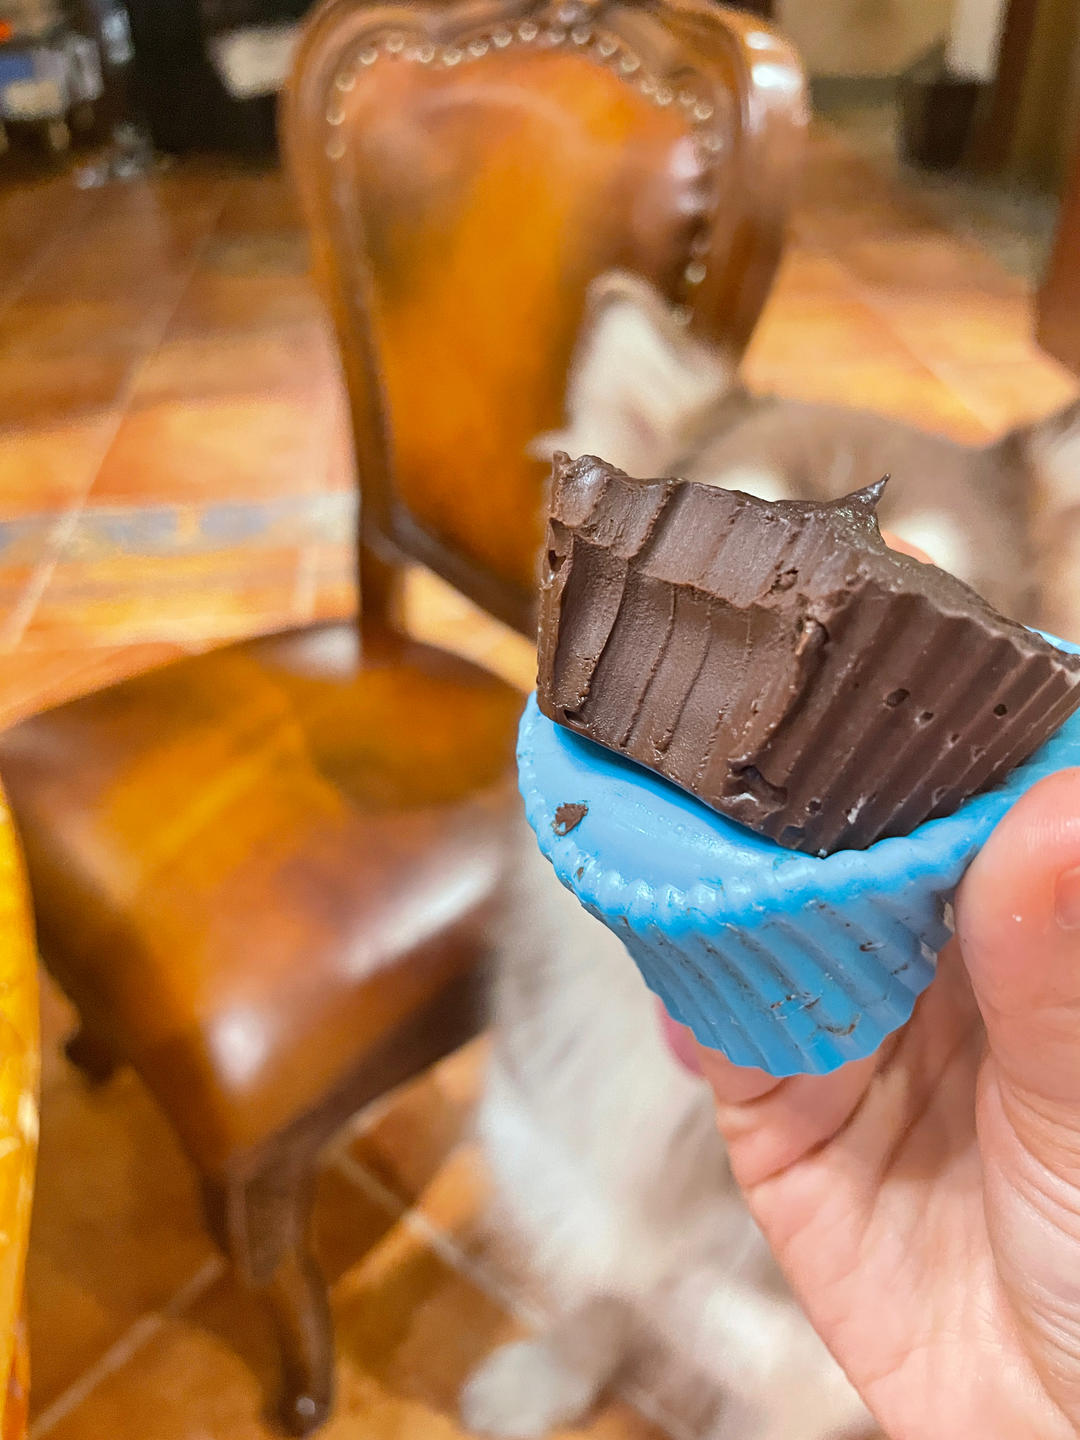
{"points": [[262, 875], [18, 1122]]}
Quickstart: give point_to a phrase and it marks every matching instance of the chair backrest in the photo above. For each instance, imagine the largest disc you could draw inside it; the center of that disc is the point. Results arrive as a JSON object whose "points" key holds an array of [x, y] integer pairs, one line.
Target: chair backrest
{"points": [[467, 169]]}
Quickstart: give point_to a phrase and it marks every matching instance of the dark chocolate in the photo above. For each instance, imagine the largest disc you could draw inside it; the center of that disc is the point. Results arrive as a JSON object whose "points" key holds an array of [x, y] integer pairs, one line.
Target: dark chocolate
{"points": [[779, 661], [568, 817]]}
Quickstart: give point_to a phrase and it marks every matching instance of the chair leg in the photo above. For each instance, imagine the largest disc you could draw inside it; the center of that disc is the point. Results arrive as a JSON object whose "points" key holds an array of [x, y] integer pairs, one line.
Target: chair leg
{"points": [[88, 1053], [262, 1223]]}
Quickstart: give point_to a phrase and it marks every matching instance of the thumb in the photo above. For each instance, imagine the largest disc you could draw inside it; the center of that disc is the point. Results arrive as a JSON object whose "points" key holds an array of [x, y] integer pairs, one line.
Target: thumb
{"points": [[1018, 922]]}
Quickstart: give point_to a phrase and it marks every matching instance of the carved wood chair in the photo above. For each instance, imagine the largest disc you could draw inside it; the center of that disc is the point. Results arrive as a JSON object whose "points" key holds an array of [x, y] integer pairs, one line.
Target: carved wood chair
{"points": [[262, 875]]}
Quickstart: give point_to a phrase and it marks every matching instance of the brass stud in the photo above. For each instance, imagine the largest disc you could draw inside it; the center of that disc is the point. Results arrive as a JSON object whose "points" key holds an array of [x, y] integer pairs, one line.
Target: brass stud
{"points": [[478, 47], [628, 64], [368, 56], [694, 273], [664, 95], [581, 35], [451, 55], [335, 115], [703, 110], [335, 148], [607, 46], [425, 53], [713, 142], [555, 36], [647, 85], [501, 38], [346, 80], [527, 31], [395, 43]]}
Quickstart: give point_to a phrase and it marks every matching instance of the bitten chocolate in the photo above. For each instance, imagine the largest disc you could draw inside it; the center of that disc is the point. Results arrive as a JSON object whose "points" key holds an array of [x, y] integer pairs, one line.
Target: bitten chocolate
{"points": [[779, 661]]}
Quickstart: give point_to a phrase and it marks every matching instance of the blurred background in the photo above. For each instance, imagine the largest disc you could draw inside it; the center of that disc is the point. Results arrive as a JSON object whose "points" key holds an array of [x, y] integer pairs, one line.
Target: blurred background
{"points": [[179, 466]]}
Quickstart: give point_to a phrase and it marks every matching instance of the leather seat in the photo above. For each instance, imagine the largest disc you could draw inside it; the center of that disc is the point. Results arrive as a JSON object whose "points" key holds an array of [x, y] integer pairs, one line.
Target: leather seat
{"points": [[200, 826]]}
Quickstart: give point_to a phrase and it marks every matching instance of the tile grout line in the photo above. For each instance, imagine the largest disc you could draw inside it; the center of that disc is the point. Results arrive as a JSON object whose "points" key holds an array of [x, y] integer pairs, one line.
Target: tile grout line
{"points": [[18, 620], [414, 1220], [12, 296], [134, 1339]]}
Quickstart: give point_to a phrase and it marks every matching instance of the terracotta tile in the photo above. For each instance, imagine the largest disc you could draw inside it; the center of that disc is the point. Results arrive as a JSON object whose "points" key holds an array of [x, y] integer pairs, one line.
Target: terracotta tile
{"points": [[935, 262], [910, 392], [217, 449], [876, 216], [327, 582], [263, 200], [138, 532], [205, 366], [809, 275], [35, 329], [32, 680], [16, 581], [44, 469], [53, 388], [217, 301], [348, 1223], [965, 326], [214, 1363], [1014, 393], [421, 1124], [184, 599], [808, 331], [438, 614], [409, 1330], [138, 246], [116, 1227], [33, 213]]}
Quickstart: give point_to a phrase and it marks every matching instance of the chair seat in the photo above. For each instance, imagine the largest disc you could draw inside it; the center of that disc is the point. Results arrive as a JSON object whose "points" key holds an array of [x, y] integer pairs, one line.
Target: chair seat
{"points": [[233, 857]]}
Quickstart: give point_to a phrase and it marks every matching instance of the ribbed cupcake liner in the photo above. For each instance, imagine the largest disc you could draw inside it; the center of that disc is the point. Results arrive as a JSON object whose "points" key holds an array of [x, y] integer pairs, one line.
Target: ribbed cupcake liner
{"points": [[778, 959]]}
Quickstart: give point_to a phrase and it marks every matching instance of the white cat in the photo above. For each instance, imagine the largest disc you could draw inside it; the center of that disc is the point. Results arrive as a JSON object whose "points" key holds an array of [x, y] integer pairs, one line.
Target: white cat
{"points": [[607, 1164], [613, 1180]]}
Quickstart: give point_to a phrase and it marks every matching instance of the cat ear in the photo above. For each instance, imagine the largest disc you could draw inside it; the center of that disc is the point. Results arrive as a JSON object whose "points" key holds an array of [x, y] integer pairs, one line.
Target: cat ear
{"points": [[639, 380]]}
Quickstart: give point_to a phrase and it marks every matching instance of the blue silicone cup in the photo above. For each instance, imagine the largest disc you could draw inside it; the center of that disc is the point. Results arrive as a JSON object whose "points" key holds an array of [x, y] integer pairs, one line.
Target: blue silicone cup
{"points": [[781, 960]]}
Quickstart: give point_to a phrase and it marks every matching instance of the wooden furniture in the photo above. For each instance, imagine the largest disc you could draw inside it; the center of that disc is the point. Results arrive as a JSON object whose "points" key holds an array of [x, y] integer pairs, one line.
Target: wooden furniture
{"points": [[262, 875], [1058, 303], [18, 1121]]}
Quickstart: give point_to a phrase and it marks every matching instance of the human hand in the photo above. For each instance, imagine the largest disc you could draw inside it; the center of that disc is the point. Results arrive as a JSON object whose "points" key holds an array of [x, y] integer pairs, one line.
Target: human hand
{"points": [[925, 1202]]}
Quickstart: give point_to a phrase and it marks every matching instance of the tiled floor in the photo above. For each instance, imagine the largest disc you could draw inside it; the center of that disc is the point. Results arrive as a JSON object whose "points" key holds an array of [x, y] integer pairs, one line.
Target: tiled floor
{"points": [[174, 470]]}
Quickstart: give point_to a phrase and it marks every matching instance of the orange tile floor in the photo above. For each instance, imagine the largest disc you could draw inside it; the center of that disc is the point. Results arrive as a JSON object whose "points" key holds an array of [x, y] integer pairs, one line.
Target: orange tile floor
{"points": [[174, 471]]}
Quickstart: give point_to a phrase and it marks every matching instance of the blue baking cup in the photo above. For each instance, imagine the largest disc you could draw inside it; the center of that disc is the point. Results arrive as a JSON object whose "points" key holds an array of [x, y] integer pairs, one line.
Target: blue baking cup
{"points": [[781, 960]]}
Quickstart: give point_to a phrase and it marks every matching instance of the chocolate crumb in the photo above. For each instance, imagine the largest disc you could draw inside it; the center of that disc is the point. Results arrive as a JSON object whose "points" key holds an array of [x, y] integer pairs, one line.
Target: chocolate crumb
{"points": [[567, 817]]}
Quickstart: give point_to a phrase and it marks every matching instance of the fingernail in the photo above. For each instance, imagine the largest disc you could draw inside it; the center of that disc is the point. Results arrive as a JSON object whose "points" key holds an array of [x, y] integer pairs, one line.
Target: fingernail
{"points": [[1067, 899]]}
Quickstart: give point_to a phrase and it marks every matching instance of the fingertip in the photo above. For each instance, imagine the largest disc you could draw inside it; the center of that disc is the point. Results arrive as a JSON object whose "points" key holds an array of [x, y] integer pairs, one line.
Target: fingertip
{"points": [[1039, 837], [1006, 908]]}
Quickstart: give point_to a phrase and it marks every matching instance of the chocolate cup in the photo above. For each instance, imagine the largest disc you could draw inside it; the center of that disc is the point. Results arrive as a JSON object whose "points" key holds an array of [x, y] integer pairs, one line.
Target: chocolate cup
{"points": [[779, 661]]}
